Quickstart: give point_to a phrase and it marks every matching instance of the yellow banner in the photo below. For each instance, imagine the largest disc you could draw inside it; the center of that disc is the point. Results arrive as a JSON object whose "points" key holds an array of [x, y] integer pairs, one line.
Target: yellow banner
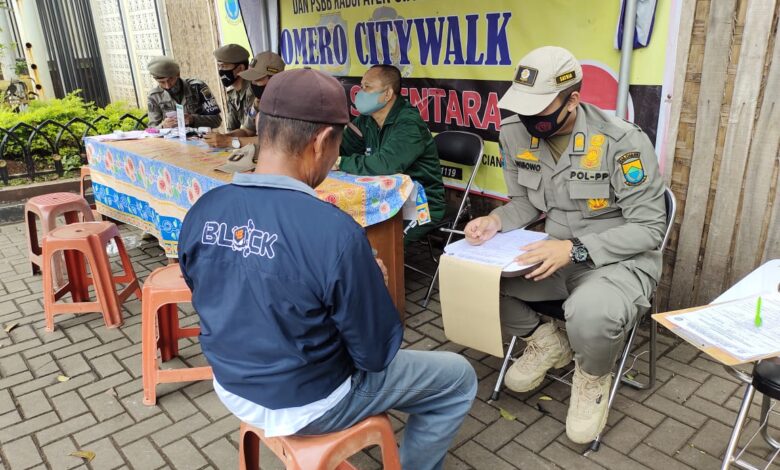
{"points": [[458, 58], [231, 23]]}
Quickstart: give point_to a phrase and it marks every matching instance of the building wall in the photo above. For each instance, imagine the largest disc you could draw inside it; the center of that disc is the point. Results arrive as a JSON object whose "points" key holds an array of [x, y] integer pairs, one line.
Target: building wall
{"points": [[194, 37], [725, 163]]}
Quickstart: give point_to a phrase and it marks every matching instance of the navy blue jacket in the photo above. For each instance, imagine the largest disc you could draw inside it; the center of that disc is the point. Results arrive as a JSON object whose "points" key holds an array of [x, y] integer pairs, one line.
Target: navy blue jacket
{"points": [[290, 298]]}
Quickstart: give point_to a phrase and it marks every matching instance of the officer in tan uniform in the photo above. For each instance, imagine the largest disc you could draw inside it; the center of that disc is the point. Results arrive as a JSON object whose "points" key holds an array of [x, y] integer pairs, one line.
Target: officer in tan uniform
{"points": [[200, 107], [596, 178], [256, 76]]}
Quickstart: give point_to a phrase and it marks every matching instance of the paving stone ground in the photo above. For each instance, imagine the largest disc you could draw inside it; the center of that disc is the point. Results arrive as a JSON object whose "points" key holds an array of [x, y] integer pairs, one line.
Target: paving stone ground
{"points": [[682, 423]]}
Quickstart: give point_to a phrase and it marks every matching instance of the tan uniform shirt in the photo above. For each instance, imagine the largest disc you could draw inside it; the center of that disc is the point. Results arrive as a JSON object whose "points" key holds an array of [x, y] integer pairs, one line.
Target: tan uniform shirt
{"points": [[196, 99], [606, 188], [238, 103]]}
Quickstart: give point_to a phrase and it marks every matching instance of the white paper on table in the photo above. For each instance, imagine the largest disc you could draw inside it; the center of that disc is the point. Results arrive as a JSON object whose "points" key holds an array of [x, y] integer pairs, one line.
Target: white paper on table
{"points": [[731, 326], [501, 250], [123, 135], [180, 121]]}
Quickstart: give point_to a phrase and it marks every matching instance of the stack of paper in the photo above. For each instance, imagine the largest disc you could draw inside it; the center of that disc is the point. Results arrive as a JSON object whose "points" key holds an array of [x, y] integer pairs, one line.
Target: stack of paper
{"points": [[732, 327], [501, 250]]}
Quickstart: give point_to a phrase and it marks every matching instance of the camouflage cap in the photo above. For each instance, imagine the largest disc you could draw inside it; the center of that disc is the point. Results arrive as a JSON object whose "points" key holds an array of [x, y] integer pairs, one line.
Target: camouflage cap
{"points": [[232, 54], [163, 67]]}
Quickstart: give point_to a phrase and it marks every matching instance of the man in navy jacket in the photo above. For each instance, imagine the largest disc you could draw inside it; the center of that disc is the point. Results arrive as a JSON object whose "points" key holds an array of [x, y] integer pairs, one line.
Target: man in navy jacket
{"points": [[296, 320]]}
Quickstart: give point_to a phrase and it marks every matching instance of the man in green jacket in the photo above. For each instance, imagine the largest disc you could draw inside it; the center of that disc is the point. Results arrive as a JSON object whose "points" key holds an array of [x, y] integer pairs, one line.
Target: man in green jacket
{"points": [[390, 137]]}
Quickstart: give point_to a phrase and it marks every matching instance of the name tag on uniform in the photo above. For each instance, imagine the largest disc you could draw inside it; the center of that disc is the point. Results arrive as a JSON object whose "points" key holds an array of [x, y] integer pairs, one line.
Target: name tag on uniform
{"points": [[585, 175]]}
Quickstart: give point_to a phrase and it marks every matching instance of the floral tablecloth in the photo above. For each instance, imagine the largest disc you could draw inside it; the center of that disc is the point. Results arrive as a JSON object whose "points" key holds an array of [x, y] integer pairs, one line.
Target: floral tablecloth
{"points": [[151, 183]]}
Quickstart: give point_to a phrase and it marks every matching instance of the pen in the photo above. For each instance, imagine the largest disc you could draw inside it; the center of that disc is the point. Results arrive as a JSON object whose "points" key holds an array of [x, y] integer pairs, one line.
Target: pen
{"points": [[456, 232], [757, 320]]}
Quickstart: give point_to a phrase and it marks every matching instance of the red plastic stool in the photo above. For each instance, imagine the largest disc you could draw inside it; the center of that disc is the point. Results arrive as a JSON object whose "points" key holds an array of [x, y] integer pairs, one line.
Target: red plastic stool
{"points": [[163, 289], [48, 207], [79, 241], [85, 182], [325, 452]]}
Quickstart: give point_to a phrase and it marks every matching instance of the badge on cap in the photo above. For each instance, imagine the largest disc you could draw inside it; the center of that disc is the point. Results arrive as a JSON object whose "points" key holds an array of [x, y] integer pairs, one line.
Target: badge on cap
{"points": [[565, 77], [526, 75], [271, 70]]}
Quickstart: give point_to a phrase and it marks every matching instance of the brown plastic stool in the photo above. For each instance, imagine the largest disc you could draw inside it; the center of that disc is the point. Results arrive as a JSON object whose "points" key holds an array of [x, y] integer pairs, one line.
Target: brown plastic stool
{"points": [[163, 289], [86, 176], [87, 240], [325, 452], [48, 207]]}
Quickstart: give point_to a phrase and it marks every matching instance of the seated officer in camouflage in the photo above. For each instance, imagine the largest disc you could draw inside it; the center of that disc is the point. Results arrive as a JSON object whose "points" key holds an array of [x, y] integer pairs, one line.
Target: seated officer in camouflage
{"points": [[256, 76], [596, 177], [390, 137], [200, 107], [233, 59]]}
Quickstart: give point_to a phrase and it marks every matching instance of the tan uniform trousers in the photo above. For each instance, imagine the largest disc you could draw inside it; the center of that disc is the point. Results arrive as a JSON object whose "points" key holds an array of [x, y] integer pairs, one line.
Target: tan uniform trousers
{"points": [[600, 308]]}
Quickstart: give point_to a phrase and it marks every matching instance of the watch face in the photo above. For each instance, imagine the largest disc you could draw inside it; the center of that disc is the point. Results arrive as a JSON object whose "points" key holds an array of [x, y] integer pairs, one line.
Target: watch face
{"points": [[580, 254], [236, 143]]}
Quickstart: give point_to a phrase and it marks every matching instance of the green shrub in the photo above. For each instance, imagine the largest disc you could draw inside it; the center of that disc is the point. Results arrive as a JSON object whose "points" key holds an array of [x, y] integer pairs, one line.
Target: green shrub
{"points": [[61, 111]]}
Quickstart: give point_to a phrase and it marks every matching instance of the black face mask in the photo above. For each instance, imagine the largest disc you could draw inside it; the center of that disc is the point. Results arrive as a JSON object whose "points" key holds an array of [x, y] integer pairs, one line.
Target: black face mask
{"points": [[258, 90], [546, 126], [227, 77]]}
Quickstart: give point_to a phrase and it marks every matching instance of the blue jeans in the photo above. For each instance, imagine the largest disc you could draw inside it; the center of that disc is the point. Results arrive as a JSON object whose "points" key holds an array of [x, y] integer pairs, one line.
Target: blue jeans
{"points": [[435, 388]]}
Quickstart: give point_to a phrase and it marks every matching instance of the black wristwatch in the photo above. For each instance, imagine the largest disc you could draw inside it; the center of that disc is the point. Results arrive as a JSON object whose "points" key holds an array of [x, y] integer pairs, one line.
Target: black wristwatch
{"points": [[579, 254]]}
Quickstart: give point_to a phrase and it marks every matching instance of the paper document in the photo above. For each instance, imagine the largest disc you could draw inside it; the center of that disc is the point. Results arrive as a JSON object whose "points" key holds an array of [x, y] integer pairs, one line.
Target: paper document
{"points": [[123, 135], [731, 326], [469, 304], [501, 250]]}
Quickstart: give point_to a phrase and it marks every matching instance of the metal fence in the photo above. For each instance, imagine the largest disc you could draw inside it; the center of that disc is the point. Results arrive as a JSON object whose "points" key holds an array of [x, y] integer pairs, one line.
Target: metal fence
{"points": [[17, 142]]}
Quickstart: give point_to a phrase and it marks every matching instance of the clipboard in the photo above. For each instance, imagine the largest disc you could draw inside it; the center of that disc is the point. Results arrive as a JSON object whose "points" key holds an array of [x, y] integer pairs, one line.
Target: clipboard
{"points": [[717, 353]]}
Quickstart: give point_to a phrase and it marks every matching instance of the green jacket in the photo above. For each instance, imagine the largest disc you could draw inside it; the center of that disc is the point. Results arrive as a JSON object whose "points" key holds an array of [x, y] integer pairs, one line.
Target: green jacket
{"points": [[403, 145]]}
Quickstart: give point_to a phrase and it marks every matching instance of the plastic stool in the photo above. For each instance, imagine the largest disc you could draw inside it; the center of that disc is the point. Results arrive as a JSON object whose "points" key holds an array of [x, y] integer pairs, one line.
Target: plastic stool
{"points": [[86, 175], [163, 289], [87, 240], [48, 207], [325, 452]]}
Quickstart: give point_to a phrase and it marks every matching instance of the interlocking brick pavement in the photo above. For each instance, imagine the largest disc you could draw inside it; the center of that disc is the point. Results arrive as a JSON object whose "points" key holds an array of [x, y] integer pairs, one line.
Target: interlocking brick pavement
{"points": [[682, 423]]}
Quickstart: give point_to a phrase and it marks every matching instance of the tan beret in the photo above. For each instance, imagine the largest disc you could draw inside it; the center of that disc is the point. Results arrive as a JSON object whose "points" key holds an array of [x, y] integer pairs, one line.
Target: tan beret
{"points": [[163, 67], [232, 54]]}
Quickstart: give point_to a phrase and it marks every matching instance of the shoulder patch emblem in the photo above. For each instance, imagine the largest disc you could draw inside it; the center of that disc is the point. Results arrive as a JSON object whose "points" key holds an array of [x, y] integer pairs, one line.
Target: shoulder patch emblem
{"points": [[579, 142], [597, 140], [592, 159], [633, 171], [527, 156], [526, 75]]}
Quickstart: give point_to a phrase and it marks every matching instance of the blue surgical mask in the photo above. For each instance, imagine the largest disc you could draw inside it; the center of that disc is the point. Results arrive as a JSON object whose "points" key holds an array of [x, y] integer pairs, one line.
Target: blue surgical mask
{"points": [[368, 103]]}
